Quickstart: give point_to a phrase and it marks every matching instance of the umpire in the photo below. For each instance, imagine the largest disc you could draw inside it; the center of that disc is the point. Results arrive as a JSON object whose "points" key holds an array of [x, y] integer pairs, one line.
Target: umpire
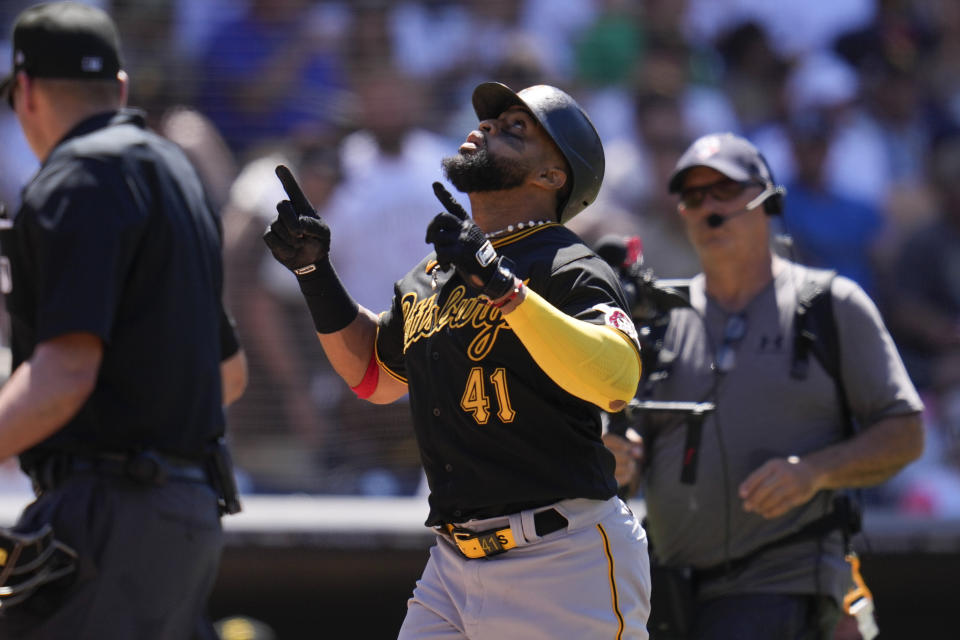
{"points": [[123, 355]]}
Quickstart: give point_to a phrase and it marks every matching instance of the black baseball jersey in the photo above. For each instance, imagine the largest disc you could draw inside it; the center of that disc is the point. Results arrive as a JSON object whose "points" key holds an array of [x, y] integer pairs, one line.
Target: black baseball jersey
{"points": [[496, 434], [115, 238]]}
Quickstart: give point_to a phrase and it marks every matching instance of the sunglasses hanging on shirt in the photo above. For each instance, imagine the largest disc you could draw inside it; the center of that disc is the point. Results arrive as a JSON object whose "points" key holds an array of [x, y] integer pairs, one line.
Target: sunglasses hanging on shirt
{"points": [[733, 332]]}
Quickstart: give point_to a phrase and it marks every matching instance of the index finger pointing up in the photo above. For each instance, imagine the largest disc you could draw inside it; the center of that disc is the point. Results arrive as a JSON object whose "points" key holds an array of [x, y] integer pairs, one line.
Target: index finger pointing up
{"points": [[300, 203], [448, 201]]}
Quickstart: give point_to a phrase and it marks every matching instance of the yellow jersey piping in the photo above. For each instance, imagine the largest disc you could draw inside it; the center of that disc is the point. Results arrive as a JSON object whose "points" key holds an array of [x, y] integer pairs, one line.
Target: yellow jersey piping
{"points": [[613, 582]]}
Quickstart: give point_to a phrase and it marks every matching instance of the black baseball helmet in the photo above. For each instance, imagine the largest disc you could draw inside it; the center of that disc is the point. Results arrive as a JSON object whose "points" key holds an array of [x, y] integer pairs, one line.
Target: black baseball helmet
{"points": [[568, 126]]}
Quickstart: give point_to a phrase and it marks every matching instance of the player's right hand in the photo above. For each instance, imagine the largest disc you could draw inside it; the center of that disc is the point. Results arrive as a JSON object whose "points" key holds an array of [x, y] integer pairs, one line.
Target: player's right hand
{"points": [[298, 238]]}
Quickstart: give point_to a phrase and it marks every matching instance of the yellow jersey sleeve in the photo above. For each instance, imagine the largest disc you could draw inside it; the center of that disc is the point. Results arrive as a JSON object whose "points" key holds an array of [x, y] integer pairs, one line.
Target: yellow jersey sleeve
{"points": [[597, 363]]}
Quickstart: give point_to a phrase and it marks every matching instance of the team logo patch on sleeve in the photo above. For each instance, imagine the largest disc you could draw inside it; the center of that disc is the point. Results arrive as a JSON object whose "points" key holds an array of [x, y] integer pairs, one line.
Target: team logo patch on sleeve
{"points": [[618, 319]]}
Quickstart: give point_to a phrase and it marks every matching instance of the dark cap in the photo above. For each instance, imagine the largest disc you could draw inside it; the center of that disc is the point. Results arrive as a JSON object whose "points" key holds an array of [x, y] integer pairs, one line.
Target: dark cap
{"points": [[64, 40], [727, 153]]}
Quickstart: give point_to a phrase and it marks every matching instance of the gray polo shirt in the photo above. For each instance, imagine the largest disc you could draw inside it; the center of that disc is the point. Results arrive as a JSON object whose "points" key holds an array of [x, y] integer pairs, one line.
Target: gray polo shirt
{"points": [[762, 413]]}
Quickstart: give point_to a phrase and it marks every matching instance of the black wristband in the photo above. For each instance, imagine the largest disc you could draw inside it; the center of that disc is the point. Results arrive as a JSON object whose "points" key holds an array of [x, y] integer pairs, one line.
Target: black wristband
{"points": [[501, 280], [331, 307]]}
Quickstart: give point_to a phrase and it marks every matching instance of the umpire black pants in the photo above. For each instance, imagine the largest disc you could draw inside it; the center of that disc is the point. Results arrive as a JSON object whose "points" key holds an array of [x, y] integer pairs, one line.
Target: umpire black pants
{"points": [[147, 560]]}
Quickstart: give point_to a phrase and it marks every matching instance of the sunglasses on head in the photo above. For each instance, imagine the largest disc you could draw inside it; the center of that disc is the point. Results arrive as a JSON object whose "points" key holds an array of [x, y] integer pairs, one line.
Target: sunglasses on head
{"points": [[721, 191]]}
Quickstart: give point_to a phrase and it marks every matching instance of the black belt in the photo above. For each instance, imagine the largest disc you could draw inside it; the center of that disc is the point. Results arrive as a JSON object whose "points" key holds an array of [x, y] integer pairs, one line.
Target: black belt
{"points": [[482, 544], [845, 517], [546, 522], [147, 468]]}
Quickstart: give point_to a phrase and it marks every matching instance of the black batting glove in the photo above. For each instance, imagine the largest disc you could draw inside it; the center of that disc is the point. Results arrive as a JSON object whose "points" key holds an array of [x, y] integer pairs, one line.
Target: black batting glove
{"points": [[460, 243], [299, 239]]}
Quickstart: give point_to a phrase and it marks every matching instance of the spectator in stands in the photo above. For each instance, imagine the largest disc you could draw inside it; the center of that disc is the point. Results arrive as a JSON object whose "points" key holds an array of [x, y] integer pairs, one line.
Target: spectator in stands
{"points": [[924, 301], [623, 208], [753, 75], [282, 427], [274, 71], [889, 136], [829, 230], [389, 163], [165, 87]]}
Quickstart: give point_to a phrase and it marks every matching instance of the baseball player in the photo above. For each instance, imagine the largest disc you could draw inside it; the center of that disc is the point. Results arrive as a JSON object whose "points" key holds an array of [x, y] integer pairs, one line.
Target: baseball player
{"points": [[509, 338]]}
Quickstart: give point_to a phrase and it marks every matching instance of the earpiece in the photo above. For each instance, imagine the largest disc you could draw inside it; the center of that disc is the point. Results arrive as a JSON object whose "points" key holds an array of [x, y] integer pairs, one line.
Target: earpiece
{"points": [[773, 193], [771, 198]]}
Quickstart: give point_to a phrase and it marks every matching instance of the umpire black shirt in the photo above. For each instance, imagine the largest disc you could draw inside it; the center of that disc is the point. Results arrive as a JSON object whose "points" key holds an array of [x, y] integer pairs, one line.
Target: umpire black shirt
{"points": [[115, 238]]}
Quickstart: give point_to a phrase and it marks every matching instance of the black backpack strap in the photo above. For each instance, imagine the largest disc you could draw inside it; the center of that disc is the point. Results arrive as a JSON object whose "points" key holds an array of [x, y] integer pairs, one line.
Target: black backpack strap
{"points": [[814, 327], [815, 330]]}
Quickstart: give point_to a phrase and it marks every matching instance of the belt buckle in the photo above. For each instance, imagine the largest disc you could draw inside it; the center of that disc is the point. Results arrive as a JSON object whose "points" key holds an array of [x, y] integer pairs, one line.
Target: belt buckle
{"points": [[146, 467], [482, 544]]}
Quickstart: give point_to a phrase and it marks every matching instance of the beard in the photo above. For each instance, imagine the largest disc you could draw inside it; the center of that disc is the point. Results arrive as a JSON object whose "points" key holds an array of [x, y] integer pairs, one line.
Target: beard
{"points": [[480, 171]]}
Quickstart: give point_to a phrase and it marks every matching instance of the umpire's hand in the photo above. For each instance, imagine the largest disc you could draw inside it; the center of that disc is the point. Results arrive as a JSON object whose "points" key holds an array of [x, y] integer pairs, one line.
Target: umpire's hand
{"points": [[298, 238], [458, 241]]}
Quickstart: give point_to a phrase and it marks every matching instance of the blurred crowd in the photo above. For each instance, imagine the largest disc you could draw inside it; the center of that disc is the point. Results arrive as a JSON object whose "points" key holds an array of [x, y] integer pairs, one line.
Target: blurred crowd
{"points": [[855, 104]]}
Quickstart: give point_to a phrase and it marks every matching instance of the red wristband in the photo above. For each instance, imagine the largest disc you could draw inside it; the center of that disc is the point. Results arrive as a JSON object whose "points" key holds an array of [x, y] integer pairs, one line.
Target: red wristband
{"points": [[507, 299], [370, 378]]}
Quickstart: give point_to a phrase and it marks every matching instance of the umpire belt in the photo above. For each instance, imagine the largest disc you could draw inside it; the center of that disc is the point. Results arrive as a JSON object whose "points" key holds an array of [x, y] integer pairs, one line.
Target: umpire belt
{"points": [[147, 468], [482, 544]]}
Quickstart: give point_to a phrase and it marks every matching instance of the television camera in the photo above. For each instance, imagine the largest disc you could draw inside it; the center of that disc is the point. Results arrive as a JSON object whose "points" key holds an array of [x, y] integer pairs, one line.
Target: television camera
{"points": [[650, 301]]}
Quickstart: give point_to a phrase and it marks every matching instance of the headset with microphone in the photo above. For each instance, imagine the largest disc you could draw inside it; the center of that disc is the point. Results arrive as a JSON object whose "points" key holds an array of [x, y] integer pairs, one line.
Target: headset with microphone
{"points": [[738, 159], [771, 198]]}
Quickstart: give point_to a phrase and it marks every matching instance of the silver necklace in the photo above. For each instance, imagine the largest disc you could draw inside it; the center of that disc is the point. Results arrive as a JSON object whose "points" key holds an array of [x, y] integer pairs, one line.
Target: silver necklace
{"points": [[519, 227]]}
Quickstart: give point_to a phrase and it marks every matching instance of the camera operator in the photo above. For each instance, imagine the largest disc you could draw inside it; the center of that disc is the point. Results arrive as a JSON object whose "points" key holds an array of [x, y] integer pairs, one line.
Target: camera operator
{"points": [[753, 535]]}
